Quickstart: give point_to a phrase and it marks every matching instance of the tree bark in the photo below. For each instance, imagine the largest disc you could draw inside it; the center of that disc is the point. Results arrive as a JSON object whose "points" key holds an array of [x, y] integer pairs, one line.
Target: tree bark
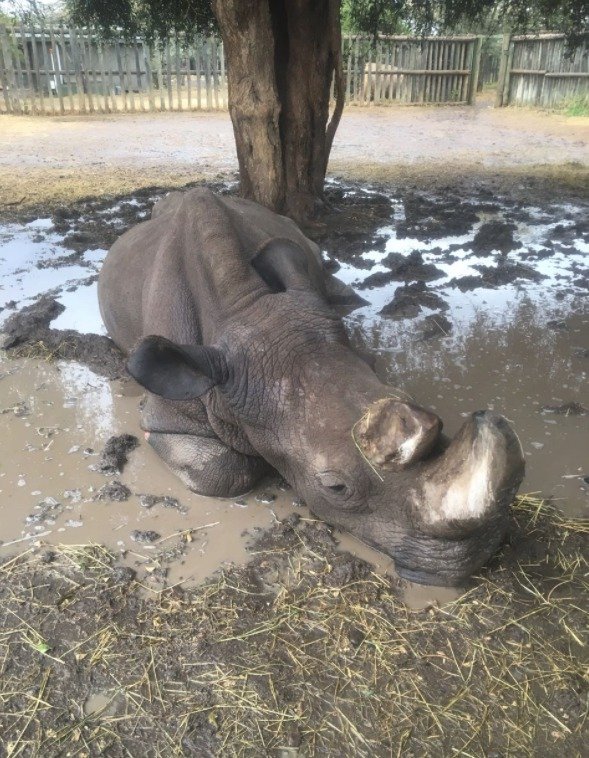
{"points": [[282, 57]]}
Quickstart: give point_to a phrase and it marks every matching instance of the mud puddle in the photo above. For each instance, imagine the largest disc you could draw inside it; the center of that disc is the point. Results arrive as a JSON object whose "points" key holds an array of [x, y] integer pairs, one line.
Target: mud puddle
{"points": [[485, 307], [57, 419]]}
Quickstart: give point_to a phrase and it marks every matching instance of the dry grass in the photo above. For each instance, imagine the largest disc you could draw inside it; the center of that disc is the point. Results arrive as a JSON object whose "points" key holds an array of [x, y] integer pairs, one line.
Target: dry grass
{"points": [[305, 652]]}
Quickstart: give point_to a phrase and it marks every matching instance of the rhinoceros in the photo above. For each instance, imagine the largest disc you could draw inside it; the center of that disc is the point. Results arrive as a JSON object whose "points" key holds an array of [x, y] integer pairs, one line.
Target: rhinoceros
{"points": [[226, 313]]}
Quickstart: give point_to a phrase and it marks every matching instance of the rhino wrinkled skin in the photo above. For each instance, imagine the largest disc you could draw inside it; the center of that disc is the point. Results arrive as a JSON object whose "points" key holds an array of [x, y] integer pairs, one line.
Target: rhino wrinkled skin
{"points": [[227, 317]]}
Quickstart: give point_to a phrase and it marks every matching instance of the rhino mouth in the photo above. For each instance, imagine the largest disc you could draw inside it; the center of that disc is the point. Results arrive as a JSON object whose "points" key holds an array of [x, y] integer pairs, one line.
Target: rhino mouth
{"points": [[461, 502], [457, 499]]}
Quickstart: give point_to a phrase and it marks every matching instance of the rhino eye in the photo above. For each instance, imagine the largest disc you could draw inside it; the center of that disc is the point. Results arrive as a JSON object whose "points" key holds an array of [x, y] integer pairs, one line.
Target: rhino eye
{"points": [[333, 483]]}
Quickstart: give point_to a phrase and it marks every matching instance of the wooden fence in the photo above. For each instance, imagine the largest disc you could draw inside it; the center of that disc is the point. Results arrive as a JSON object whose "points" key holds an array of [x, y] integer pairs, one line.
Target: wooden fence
{"points": [[56, 71], [538, 71], [60, 71], [411, 69]]}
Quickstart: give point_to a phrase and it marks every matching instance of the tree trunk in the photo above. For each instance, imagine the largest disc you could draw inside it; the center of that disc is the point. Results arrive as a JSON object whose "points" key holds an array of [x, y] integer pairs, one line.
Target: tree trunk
{"points": [[282, 56]]}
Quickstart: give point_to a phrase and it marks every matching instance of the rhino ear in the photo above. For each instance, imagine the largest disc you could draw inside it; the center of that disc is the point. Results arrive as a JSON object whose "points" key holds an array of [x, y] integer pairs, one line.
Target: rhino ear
{"points": [[282, 264], [174, 372]]}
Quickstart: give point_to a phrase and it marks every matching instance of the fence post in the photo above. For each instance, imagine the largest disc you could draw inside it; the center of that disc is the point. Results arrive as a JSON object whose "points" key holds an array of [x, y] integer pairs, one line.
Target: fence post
{"points": [[474, 70], [502, 70], [3, 75], [11, 86]]}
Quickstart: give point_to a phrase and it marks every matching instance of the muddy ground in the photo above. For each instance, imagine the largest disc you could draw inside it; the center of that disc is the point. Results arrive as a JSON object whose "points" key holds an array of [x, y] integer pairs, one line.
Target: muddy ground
{"points": [[475, 299]]}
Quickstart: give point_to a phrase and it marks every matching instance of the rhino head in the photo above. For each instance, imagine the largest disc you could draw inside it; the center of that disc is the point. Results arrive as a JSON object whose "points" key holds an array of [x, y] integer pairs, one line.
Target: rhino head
{"points": [[278, 368]]}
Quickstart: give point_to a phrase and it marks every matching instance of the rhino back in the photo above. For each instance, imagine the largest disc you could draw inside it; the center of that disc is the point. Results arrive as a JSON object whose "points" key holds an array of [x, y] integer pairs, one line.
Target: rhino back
{"points": [[160, 276]]}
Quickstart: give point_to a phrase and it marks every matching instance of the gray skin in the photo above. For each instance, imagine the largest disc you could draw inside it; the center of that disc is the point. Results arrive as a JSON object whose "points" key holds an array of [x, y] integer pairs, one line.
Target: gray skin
{"points": [[227, 316]]}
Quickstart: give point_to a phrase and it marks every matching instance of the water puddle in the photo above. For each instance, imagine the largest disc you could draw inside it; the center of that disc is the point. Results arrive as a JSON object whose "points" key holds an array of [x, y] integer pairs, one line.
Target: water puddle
{"points": [[516, 344]]}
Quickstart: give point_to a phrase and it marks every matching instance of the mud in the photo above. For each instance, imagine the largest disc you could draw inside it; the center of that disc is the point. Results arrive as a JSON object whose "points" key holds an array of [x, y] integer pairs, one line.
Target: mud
{"points": [[114, 455], [410, 300], [495, 236], [28, 333]]}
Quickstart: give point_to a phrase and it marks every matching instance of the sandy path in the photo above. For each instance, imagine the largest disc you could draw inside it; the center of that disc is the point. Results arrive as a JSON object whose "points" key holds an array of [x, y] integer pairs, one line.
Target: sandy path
{"points": [[42, 158]]}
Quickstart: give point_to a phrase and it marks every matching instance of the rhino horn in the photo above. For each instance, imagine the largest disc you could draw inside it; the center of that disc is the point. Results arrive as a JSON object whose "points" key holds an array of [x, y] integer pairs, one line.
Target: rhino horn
{"points": [[393, 433]]}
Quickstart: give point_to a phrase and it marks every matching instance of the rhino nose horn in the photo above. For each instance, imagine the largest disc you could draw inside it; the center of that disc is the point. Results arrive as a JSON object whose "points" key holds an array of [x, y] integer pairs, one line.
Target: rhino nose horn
{"points": [[393, 434]]}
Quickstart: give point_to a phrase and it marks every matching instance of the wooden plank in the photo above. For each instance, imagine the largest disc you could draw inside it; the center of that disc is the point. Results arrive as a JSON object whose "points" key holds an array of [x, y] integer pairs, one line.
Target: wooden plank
{"points": [[66, 68], [149, 76], [464, 80], [109, 52], [22, 97], [444, 77], [57, 59], [505, 94], [207, 68], [169, 76], [86, 67], [35, 54], [30, 90], [505, 45], [367, 81], [78, 70], [566, 74], [178, 68], [379, 74], [198, 64], [225, 102], [188, 73], [103, 75], [545, 72], [4, 69], [122, 85], [91, 67], [128, 76], [138, 76], [215, 60], [348, 59], [476, 65], [157, 51], [357, 84]]}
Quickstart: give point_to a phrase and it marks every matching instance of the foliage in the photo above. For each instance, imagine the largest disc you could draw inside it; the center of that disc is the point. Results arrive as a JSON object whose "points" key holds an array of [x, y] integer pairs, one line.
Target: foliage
{"points": [[153, 18], [374, 17], [577, 107], [31, 11]]}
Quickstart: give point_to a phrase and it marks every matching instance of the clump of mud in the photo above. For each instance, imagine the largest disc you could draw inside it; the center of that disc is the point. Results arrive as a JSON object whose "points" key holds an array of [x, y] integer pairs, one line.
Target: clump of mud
{"points": [[408, 301], [113, 492], [495, 276], [494, 236], [28, 334], [435, 325], [403, 268], [114, 455], [427, 219], [302, 651]]}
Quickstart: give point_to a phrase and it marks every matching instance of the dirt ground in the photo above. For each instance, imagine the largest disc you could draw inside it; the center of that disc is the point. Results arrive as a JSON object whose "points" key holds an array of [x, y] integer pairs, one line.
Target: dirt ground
{"points": [[73, 157], [475, 289]]}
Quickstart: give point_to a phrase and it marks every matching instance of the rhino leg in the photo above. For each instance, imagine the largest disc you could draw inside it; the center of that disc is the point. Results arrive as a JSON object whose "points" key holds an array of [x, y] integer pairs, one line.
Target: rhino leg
{"points": [[206, 465]]}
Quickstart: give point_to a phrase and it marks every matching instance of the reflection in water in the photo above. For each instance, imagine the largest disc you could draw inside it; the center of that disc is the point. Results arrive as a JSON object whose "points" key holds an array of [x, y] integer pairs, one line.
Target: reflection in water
{"points": [[92, 396]]}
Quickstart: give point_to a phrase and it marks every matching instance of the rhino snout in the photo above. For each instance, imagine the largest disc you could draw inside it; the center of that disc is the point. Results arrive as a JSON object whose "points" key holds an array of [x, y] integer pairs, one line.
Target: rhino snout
{"points": [[461, 505]]}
